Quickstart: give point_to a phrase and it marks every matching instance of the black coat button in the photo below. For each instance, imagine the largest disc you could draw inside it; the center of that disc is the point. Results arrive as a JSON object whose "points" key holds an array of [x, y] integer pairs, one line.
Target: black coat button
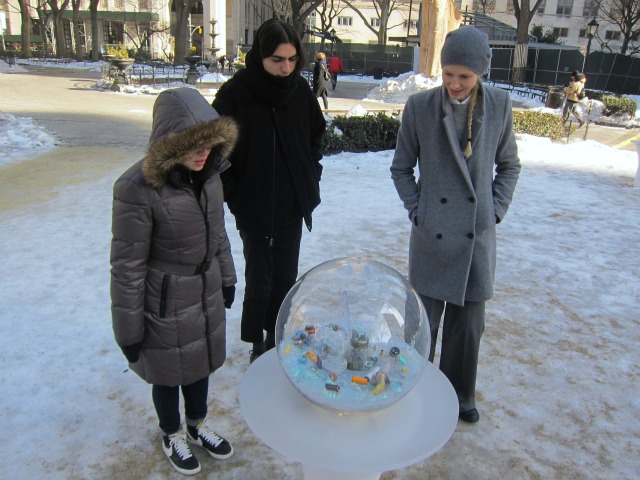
{"points": [[470, 235], [443, 200], [439, 236], [472, 200]]}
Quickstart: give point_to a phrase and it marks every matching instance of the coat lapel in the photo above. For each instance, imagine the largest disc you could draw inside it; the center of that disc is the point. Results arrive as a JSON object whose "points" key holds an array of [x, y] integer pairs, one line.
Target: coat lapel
{"points": [[452, 138]]}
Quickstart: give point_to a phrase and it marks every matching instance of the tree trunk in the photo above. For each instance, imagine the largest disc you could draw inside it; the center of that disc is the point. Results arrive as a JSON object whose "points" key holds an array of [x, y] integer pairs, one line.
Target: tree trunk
{"points": [[25, 25], [95, 38], [180, 32], [439, 17], [519, 62], [58, 32]]}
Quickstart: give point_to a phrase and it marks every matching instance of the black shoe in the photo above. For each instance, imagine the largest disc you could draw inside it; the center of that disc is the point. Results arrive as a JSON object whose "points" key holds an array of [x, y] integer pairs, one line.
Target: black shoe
{"points": [[179, 454], [213, 443], [252, 356], [470, 416]]}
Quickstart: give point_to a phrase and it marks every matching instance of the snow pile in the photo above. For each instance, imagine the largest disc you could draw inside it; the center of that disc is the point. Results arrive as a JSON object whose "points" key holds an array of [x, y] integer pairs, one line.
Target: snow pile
{"points": [[19, 134]]}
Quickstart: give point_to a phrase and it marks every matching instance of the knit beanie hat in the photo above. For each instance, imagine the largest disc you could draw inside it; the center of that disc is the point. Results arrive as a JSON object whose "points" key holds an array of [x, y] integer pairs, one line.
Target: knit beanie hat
{"points": [[468, 47]]}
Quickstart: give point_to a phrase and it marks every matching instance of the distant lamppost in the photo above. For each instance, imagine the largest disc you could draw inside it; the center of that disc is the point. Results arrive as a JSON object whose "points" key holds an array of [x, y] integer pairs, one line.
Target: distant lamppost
{"points": [[333, 38], [592, 27]]}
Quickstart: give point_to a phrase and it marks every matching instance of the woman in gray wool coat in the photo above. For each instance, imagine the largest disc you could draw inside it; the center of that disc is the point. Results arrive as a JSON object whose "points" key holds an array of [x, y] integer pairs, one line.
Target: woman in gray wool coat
{"points": [[172, 274], [460, 135]]}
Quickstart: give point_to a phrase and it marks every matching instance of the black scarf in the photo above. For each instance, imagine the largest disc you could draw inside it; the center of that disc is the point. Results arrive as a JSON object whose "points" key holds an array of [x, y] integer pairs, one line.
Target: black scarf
{"points": [[273, 90]]}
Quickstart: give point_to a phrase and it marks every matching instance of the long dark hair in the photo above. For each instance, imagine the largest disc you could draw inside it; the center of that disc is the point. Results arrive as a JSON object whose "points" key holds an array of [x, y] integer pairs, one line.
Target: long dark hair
{"points": [[274, 32]]}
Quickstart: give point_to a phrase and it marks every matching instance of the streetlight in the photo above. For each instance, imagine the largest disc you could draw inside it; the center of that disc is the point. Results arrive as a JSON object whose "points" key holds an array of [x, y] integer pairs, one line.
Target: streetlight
{"points": [[333, 38], [592, 27]]}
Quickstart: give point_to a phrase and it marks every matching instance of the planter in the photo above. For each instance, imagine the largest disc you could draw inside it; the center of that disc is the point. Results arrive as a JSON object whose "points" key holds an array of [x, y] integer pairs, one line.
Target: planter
{"points": [[121, 76], [192, 74]]}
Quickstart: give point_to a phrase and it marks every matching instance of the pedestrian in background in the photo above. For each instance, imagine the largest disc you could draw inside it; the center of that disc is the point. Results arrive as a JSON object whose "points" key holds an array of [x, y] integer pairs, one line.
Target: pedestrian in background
{"points": [[321, 78], [335, 67], [460, 136], [575, 93], [273, 184], [172, 273]]}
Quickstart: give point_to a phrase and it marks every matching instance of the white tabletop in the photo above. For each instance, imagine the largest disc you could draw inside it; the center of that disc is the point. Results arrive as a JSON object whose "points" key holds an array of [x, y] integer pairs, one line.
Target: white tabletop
{"points": [[410, 430]]}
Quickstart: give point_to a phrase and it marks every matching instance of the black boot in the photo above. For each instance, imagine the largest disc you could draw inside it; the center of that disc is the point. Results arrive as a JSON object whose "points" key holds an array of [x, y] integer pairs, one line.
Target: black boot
{"points": [[270, 341], [258, 349]]}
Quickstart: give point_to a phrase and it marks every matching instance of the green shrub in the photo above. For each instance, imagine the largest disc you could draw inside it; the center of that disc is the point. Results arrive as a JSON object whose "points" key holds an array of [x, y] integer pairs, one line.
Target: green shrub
{"points": [[370, 133], [538, 124], [618, 106]]}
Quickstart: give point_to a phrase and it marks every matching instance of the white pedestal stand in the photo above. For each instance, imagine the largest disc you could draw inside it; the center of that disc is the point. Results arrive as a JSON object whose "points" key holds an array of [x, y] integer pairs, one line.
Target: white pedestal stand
{"points": [[341, 447]]}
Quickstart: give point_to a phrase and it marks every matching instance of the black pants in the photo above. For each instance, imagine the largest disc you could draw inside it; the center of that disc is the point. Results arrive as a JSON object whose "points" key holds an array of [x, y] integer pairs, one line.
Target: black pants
{"points": [[167, 403], [462, 329], [271, 269]]}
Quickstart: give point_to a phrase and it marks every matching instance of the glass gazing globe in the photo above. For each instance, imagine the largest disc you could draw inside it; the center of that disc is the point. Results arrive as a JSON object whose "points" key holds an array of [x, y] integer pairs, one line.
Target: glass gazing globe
{"points": [[353, 336]]}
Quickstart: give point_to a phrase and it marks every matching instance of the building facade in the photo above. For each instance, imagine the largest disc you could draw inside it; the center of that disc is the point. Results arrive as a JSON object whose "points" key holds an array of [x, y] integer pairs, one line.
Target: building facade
{"points": [[567, 19]]}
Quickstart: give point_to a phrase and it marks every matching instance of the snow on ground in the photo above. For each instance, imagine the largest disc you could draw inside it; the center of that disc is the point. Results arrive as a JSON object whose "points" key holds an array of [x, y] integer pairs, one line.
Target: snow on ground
{"points": [[558, 381]]}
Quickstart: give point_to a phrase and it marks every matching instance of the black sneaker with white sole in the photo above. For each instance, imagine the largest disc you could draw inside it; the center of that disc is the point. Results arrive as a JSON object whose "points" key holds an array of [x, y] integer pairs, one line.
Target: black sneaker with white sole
{"points": [[213, 443], [177, 450]]}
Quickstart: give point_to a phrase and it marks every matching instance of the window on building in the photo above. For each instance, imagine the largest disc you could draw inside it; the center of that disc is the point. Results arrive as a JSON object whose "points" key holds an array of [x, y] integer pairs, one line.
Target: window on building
{"points": [[564, 7], [510, 8], [112, 32], [104, 5], [345, 21], [561, 32], [612, 35], [541, 8], [118, 5], [144, 5], [375, 22], [582, 33], [590, 8], [413, 25]]}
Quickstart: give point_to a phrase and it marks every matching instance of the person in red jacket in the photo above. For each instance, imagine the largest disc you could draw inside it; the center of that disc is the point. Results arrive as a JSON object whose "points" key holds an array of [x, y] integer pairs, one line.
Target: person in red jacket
{"points": [[335, 67]]}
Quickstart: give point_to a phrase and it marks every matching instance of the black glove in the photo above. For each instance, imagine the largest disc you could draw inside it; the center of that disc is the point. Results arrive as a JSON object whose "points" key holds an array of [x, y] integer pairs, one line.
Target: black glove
{"points": [[132, 352], [229, 294]]}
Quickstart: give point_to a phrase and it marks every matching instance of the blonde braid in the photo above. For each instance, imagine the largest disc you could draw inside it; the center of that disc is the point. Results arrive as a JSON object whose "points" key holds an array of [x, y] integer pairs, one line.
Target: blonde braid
{"points": [[472, 103]]}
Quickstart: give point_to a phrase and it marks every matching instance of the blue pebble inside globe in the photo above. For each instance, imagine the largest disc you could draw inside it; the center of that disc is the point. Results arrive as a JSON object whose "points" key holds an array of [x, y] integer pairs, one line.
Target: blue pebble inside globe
{"points": [[353, 336]]}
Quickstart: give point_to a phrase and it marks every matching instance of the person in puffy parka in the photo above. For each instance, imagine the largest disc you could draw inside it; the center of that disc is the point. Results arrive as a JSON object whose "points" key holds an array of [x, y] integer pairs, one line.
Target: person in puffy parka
{"points": [[172, 273]]}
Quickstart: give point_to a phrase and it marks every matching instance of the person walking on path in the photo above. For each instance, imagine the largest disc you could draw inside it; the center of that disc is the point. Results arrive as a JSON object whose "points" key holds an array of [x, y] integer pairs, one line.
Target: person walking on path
{"points": [[321, 78], [172, 273], [335, 67], [273, 184], [575, 93], [460, 136]]}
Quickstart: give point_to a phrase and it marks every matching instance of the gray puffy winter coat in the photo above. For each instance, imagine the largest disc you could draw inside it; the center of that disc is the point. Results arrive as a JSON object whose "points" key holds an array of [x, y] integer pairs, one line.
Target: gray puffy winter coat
{"points": [[170, 254]]}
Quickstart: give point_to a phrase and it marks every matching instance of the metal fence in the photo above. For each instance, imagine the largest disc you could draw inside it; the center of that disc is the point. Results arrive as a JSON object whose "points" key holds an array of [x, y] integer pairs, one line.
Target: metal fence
{"points": [[544, 66], [613, 72], [366, 59]]}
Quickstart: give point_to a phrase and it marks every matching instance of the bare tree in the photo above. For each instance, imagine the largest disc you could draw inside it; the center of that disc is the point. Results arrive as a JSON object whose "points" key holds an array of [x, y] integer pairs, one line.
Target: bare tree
{"points": [[77, 24], [25, 25], [383, 9], [294, 12], [181, 32], [484, 6], [524, 12], [327, 12], [58, 8], [625, 14]]}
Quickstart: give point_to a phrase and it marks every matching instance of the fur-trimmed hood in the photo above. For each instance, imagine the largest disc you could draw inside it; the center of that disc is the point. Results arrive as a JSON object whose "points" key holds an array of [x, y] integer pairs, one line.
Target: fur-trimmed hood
{"points": [[183, 122]]}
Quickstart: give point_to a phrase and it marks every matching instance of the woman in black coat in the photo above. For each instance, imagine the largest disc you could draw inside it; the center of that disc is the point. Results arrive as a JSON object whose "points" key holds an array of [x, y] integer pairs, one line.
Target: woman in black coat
{"points": [[273, 184], [321, 78]]}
